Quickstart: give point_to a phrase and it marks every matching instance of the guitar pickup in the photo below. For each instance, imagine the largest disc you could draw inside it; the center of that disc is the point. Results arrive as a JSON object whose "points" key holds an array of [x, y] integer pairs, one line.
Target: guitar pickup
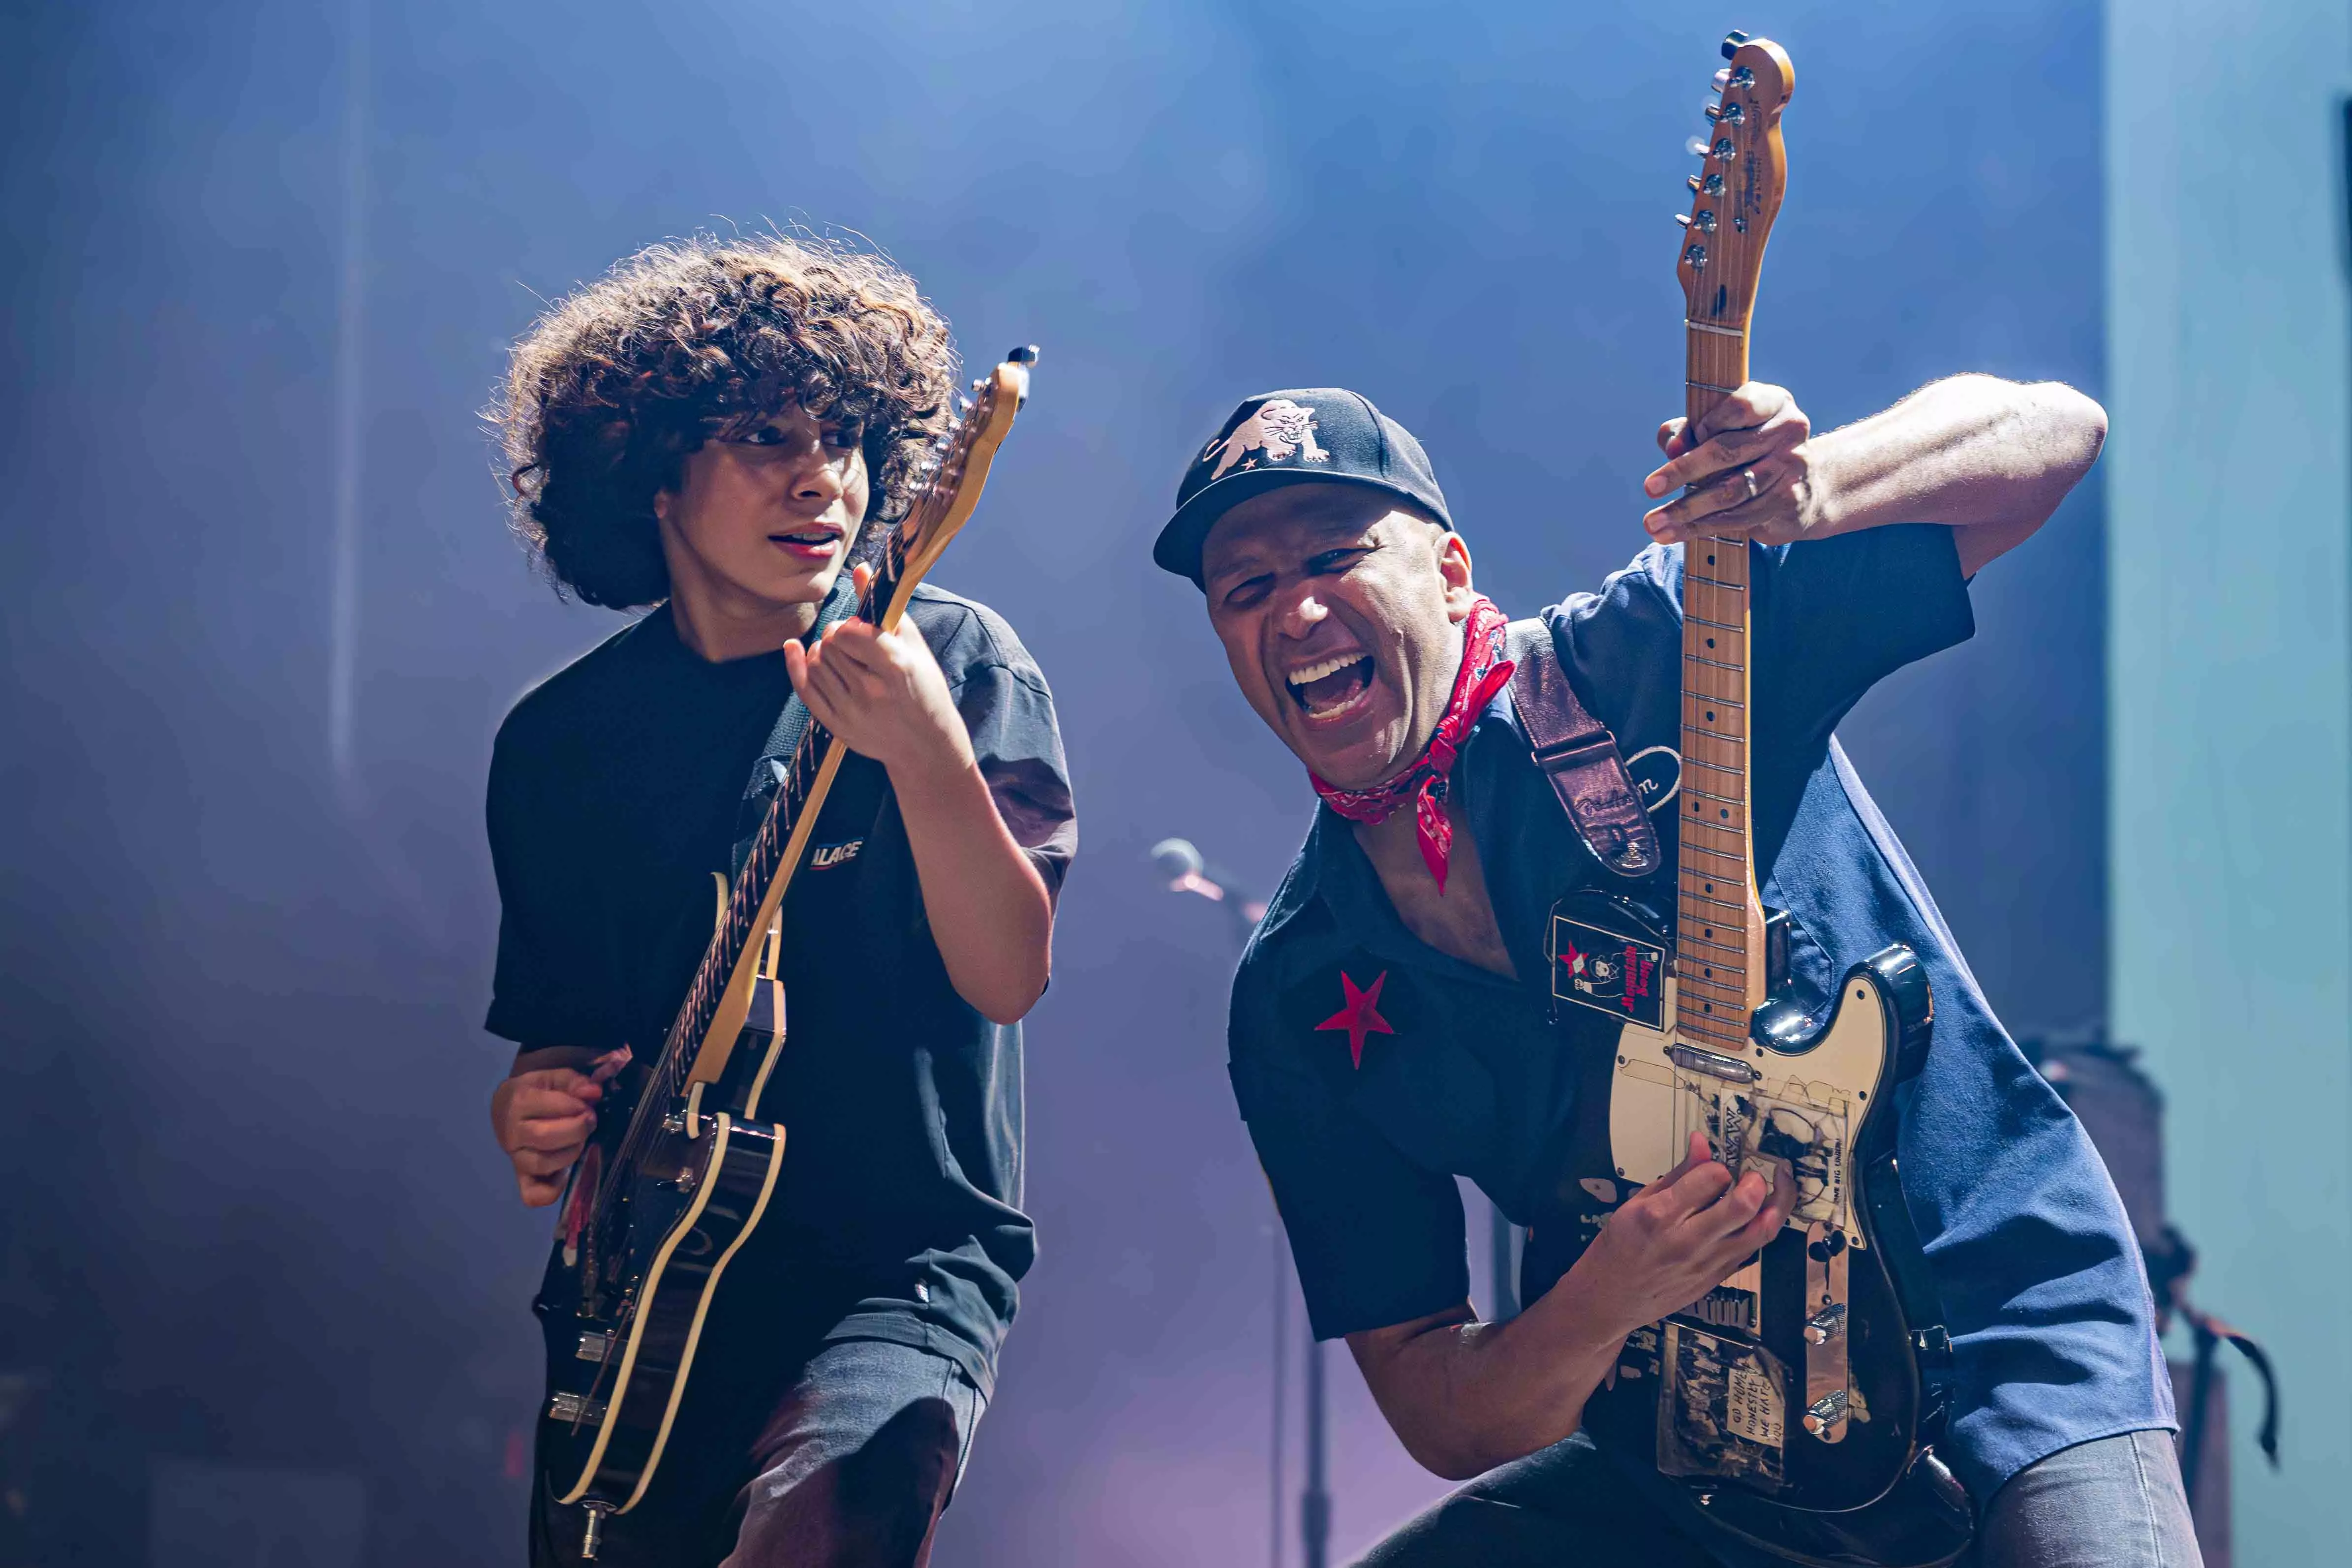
{"points": [[1714, 1064], [1826, 1324], [576, 1410], [594, 1347]]}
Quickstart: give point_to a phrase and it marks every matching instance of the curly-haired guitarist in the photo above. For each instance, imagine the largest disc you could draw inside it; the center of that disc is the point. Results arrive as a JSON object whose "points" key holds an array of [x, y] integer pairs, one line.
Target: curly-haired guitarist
{"points": [[704, 432]]}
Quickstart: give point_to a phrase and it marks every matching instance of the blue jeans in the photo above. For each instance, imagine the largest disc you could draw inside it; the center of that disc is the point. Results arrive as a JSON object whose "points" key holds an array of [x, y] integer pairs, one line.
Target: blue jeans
{"points": [[2114, 1503], [849, 1467]]}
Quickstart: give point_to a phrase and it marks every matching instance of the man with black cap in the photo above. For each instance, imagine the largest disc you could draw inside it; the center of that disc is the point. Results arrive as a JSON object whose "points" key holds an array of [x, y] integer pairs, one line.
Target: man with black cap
{"points": [[1392, 1022]]}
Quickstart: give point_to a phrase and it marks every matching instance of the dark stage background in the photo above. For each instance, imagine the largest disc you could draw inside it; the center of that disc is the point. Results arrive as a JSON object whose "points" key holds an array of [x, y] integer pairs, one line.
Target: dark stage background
{"points": [[254, 1214]]}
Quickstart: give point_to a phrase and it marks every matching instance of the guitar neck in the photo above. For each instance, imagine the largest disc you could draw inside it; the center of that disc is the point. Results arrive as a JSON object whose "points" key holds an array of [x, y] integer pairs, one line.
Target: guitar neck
{"points": [[1720, 931], [759, 882]]}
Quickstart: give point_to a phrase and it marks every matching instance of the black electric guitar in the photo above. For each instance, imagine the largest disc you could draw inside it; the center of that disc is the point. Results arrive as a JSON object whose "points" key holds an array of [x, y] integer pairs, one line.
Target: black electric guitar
{"points": [[1799, 1399], [658, 1209]]}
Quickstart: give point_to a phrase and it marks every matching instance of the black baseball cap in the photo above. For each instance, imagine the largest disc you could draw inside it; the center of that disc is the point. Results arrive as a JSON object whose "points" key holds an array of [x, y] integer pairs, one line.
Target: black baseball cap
{"points": [[1325, 434]]}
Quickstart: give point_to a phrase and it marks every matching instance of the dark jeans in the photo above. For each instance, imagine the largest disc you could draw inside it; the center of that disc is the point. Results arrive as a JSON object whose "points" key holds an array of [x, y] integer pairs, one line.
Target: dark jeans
{"points": [[2114, 1503], [850, 1467]]}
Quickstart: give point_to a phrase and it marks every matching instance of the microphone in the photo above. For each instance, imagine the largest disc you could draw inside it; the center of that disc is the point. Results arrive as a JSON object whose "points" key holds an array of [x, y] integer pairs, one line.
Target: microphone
{"points": [[1180, 861], [1177, 858]]}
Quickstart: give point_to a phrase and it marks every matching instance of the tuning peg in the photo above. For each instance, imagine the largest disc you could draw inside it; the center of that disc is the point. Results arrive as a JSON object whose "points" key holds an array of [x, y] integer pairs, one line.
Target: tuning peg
{"points": [[1683, 219], [1025, 355], [1722, 77], [1697, 255], [1695, 146], [1731, 42]]}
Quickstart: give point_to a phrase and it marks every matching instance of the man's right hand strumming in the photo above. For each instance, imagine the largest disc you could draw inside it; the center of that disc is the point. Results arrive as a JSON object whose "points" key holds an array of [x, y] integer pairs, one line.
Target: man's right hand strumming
{"points": [[1466, 1397], [545, 1111]]}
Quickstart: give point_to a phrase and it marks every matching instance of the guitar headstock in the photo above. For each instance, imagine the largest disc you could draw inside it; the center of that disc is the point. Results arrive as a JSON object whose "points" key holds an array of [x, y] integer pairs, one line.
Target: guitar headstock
{"points": [[953, 489], [1736, 194]]}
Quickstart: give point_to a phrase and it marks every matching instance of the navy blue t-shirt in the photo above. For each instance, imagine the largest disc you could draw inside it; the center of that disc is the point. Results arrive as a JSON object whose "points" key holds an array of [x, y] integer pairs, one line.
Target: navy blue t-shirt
{"points": [[2042, 1288]]}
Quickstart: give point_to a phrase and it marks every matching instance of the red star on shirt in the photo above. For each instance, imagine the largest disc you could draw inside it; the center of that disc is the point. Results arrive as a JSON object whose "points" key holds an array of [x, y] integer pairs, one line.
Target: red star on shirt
{"points": [[1360, 1017]]}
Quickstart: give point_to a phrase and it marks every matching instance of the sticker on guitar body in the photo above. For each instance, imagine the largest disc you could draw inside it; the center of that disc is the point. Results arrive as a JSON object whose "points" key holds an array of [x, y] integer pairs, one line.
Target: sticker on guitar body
{"points": [[1621, 975], [1723, 1412]]}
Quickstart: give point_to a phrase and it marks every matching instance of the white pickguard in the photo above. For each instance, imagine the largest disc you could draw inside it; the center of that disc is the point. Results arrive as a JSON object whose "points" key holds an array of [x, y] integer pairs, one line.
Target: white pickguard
{"points": [[1814, 1101]]}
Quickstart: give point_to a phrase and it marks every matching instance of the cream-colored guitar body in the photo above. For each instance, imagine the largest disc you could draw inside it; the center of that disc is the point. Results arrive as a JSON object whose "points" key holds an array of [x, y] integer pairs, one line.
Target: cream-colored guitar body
{"points": [[1756, 1108]]}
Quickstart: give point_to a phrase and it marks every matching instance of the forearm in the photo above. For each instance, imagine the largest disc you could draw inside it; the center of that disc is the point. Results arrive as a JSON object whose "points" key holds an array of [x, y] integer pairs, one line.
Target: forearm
{"points": [[1973, 452], [1464, 1397], [989, 909]]}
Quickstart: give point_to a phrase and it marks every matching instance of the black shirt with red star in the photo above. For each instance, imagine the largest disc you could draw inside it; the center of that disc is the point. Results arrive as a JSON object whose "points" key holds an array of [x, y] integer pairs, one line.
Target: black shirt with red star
{"points": [[1373, 1069]]}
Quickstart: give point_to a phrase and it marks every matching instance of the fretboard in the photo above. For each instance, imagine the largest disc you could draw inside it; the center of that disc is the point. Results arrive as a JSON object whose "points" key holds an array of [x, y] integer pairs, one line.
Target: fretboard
{"points": [[1718, 932]]}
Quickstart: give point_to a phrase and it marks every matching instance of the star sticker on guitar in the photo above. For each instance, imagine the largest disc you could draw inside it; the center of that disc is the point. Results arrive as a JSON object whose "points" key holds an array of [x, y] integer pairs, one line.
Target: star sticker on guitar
{"points": [[1362, 1016]]}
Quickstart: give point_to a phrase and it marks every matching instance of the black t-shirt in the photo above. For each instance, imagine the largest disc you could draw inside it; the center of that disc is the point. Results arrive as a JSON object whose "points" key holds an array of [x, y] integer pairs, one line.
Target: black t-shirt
{"points": [[614, 800]]}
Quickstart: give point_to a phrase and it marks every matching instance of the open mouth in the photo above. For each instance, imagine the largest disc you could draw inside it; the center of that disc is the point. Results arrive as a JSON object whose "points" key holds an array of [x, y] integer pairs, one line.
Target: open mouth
{"points": [[1332, 687], [814, 542]]}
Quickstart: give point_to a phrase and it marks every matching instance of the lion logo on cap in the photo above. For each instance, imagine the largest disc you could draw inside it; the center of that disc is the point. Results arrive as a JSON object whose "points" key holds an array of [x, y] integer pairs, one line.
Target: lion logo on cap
{"points": [[1279, 431]]}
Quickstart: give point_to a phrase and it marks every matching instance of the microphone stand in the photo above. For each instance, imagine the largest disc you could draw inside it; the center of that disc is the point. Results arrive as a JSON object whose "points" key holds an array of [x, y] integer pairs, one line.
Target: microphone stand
{"points": [[1181, 863]]}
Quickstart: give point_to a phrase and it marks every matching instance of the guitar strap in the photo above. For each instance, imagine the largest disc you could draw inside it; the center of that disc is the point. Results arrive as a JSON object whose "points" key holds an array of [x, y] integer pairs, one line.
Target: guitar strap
{"points": [[776, 756], [1577, 755]]}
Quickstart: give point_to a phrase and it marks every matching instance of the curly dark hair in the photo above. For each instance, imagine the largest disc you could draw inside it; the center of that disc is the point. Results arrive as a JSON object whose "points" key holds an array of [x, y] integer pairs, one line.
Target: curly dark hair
{"points": [[613, 389]]}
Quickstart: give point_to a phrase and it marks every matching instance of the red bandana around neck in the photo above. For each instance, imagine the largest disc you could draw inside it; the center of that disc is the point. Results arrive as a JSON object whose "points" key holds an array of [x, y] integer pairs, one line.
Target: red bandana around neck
{"points": [[1484, 671]]}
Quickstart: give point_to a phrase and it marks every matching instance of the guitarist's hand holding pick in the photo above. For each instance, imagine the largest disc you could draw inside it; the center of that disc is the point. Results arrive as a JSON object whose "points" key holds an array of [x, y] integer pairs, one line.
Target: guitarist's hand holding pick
{"points": [[882, 693], [1676, 1239], [1748, 469], [543, 1116]]}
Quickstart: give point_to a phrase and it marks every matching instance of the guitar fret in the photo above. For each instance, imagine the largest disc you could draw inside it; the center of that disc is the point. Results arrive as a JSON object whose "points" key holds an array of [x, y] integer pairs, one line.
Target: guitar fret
{"points": [[1717, 583], [1716, 663], [1696, 942], [1718, 626]]}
